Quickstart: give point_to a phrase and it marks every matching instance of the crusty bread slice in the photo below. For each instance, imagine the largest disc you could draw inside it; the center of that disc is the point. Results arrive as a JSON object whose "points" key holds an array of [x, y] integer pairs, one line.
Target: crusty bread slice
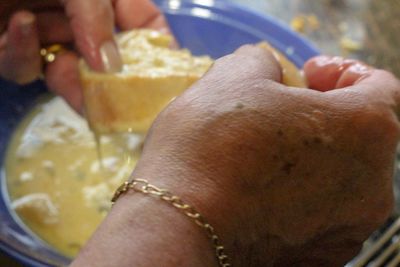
{"points": [[291, 75], [152, 76]]}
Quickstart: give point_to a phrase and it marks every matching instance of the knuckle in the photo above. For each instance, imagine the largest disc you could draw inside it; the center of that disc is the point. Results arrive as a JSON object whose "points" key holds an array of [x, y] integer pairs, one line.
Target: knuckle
{"points": [[240, 67], [370, 118], [381, 122], [378, 129], [242, 60], [225, 61], [388, 76]]}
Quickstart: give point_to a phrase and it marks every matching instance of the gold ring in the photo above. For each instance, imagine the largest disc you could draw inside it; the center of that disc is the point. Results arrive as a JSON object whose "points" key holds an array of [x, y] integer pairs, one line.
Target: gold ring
{"points": [[49, 53]]}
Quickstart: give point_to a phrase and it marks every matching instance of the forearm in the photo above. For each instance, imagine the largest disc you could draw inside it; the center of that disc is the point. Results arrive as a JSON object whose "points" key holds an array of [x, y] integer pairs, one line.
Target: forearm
{"points": [[142, 230]]}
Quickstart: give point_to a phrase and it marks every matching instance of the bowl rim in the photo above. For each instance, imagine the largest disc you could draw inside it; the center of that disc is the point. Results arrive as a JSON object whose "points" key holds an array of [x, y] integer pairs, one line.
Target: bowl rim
{"points": [[251, 20]]}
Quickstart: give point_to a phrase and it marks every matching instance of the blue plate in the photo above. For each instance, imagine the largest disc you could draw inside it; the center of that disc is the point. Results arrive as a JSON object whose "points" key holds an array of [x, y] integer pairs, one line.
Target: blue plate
{"points": [[208, 27]]}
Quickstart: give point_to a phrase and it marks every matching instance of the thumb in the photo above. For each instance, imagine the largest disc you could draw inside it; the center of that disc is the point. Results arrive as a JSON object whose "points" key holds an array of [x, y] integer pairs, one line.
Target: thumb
{"points": [[92, 23], [248, 63]]}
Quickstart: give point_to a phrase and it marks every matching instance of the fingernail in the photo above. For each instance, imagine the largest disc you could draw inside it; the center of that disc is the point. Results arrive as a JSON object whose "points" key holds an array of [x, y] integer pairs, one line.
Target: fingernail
{"points": [[110, 56], [323, 61], [359, 68], [26, 24]]}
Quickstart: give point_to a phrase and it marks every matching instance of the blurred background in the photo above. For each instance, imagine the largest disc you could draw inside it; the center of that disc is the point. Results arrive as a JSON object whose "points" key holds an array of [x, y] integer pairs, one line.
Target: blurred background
{"points": [[363, 29]]}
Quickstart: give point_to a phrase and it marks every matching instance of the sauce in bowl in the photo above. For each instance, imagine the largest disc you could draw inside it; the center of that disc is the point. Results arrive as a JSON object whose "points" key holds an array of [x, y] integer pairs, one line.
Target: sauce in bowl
{"points": [[55, 180]]}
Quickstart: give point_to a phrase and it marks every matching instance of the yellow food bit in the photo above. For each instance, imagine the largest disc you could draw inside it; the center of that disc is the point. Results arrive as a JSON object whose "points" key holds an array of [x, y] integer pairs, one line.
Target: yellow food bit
{"points": [[303, 23], [298, 24], [350, 45], [313, 22]]}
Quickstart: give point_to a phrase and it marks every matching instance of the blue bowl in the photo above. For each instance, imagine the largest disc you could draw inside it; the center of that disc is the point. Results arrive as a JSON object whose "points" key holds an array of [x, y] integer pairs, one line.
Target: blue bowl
{"points": [[208, 27]]}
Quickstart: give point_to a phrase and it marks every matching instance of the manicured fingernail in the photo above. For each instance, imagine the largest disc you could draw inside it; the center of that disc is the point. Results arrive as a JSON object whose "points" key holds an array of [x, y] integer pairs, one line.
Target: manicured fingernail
{"points": [[26, 24], [110, 56]]}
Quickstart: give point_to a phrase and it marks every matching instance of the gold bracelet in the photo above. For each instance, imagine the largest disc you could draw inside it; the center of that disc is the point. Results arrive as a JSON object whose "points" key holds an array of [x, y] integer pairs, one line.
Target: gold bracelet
{"points": [[143, 186]]}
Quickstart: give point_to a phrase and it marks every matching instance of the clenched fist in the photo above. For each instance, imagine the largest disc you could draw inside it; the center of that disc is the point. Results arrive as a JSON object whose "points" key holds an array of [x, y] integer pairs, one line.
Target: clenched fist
{"points": [[287, 176]]}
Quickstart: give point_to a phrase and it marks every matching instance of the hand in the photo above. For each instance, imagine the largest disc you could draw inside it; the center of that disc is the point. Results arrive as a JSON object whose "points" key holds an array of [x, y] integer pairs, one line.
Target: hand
{"points": [[289, 171], [89, 25], [287, 176]]}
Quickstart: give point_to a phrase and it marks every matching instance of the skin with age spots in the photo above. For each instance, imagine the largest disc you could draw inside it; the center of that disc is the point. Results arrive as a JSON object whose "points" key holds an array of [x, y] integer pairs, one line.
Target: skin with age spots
{"points": [[286, 176], [239, 105]]}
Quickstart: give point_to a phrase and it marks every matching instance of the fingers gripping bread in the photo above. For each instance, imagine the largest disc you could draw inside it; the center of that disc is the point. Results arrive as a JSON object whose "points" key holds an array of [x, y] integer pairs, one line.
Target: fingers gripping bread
{"points": [[152, 75]]}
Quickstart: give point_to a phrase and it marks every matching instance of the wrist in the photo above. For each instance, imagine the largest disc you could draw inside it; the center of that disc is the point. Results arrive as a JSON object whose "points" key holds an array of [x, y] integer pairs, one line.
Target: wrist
{"points": [[163, 232], [218, 195], [191, 201], [143, 230], [195, 186]]}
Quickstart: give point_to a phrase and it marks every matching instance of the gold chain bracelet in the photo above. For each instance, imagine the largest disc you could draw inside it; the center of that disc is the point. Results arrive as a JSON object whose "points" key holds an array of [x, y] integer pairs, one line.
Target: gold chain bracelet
{"points": [[143, 186]]}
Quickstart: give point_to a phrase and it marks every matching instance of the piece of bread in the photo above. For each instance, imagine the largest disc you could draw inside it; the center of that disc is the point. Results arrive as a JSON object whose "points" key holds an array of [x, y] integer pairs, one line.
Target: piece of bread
{"points": [[291, 75], [152, 76]]}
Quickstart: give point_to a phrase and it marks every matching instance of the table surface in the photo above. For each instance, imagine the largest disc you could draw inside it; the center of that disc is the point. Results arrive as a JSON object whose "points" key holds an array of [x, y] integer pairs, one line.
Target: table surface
{"points": [[360, 29]]}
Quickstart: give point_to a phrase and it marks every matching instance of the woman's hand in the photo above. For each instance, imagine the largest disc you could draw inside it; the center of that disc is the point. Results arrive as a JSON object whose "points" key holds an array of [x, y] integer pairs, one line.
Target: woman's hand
{"points": [[287, 176], [87, 26]]}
